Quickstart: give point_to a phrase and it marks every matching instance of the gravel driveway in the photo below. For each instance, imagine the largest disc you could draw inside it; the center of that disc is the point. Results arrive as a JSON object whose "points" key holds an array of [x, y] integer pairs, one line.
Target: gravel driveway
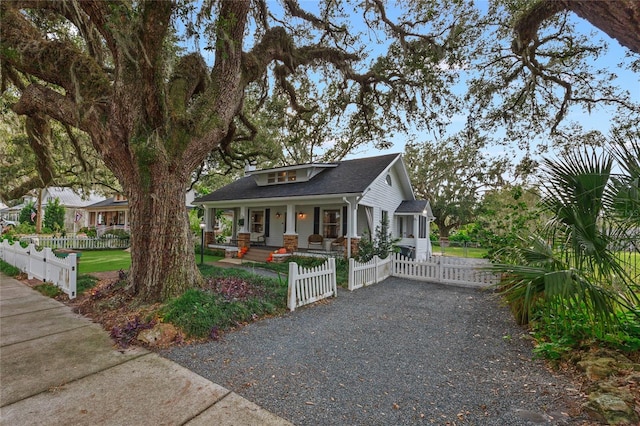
{"points": [[399, 352]]}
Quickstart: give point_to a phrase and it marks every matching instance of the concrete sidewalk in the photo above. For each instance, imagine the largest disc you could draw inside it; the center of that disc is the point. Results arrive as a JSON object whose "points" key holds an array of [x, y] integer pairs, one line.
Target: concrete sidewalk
{"points": [[58, 368]]}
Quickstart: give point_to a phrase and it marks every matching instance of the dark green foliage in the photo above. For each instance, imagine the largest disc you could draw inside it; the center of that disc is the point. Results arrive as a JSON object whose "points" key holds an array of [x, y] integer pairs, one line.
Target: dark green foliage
{"points": [[381, 245], [84, 283], [48, 290], [342, 267], [559, 333], [89, 231], [230, 298], [8, 269], [567, 280], [25, 228], [119, 233], [25, 213], [54, 215]]}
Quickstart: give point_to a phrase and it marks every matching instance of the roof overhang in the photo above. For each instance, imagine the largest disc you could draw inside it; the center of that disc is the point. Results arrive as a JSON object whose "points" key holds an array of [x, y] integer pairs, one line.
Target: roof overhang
{"points": [[300, 200]]}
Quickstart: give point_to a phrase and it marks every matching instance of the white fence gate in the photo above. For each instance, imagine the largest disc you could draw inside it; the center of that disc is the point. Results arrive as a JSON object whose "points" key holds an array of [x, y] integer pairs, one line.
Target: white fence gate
{"points": [[308, 285], [43, 265], [371, 272], [440, 269], [447, 270]]}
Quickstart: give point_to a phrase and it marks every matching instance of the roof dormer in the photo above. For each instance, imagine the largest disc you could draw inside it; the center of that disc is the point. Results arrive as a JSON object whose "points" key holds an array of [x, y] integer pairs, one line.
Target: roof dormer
{"points": [[289, 174]]}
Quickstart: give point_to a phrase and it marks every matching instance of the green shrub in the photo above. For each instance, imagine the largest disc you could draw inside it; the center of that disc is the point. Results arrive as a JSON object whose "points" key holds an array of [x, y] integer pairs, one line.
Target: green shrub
{"points": [[203, 313], [119, 233], [89, 231], [25, 228], [54, 215], [49, 290], [8, 269], [85, 282], [381, 245], [25, 213], [558, 332]]}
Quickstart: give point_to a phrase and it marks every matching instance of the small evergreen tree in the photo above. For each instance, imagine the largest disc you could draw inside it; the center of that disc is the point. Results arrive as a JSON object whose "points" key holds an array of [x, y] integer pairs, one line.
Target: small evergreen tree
{"points": [[54, 215], [381, 245], [25, 213]]}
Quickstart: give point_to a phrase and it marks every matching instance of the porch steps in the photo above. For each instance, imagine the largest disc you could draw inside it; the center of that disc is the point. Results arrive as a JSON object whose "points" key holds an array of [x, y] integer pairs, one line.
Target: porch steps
{"points": [[257, 254]]}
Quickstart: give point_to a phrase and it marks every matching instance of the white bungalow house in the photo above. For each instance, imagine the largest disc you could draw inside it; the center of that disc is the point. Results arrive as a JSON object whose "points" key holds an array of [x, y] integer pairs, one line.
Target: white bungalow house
{"points": [[323, 206]]}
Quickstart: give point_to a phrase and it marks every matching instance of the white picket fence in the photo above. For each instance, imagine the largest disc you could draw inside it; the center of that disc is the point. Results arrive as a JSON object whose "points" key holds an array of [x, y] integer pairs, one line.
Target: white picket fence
{"points": [[308, 285], [106, 242], [440, 269], [447, 270], [43, 265], [371, 272]]}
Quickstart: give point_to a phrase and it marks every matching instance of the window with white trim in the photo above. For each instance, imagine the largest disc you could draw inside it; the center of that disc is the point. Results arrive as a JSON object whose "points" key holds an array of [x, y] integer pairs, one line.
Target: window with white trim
{"points": [[282, 176], [331, 223]]}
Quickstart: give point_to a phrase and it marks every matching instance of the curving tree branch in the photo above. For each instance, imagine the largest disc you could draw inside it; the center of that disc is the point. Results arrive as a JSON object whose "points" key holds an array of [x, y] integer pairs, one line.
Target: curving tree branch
{"points": [[620, 19]]}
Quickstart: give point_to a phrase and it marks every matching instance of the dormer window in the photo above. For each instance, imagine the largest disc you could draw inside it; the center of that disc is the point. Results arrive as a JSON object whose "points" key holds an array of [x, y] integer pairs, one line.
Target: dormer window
{"points": [[281, 176]]}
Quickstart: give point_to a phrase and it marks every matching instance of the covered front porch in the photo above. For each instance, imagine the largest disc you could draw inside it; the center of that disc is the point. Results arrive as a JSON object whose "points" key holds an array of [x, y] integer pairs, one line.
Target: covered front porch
{"points": [[333, 226]]}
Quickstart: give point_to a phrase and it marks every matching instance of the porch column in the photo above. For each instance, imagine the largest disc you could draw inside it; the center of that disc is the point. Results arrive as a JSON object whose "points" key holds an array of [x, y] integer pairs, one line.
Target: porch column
{"points": [[290, 225], [352, 225], [354, 219], [290, 237], [244, 214], [416, 229]]}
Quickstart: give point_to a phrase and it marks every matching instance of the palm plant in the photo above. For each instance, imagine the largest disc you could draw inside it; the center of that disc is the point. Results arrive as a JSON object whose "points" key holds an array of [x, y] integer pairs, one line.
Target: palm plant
{"points": [[573, 265]]}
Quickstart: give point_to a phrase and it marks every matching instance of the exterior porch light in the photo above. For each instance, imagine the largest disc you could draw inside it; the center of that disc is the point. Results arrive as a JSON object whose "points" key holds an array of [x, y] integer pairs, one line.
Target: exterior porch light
{"points": [[301, 215], [202, 226], [278, 215]]}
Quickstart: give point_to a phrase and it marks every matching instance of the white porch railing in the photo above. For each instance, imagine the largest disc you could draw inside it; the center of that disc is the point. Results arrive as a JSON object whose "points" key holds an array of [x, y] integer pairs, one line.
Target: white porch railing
{"points": [[308, 285], [371, 272], [43, 265]]}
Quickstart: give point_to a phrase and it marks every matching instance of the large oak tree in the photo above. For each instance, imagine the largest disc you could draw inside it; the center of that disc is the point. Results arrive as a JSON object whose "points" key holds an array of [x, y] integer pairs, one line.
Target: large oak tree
{"points": [[159, 85], [123, 73]]}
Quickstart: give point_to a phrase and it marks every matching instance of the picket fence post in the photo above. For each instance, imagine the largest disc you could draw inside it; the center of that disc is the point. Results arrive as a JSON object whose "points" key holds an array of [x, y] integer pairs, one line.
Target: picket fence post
{"points": [[293, 278], [334, 281], [352, 273]]}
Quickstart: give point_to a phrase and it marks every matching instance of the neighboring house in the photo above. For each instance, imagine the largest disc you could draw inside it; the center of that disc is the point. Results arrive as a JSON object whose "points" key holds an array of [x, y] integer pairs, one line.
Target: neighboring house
{"points": [[109, 214], [284, 206], [9, 213], [74, 203], [113, 213]]}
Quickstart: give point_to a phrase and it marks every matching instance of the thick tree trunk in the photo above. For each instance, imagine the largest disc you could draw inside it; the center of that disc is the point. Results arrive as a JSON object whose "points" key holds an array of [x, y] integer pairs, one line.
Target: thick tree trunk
{"points": [[163, 257], [443, 230]]}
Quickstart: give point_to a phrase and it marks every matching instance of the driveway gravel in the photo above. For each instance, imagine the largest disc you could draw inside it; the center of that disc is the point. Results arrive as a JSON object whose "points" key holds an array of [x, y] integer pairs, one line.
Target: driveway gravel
{"points": [[399, 352]]}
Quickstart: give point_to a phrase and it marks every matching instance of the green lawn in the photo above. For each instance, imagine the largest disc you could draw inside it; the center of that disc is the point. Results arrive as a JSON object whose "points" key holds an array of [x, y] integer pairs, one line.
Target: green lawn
{"points": [[104, 260], [473, 252], [114, 260]]}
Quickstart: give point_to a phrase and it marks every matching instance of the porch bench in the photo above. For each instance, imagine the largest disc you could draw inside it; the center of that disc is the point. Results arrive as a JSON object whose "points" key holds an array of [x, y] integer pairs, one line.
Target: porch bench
{"points": [[280, 257], [257, 239], [229, 251]]}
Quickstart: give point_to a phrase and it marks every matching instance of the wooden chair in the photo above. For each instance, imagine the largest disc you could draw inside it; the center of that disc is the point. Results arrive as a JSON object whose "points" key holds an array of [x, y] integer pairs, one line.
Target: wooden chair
{"points": [[315, 240], [338, 244]]}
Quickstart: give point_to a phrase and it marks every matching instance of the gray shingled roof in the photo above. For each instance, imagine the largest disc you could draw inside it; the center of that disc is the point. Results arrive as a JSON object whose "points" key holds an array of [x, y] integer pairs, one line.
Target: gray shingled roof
{"points": [[349, 177], [412, 206], [110, 202]]}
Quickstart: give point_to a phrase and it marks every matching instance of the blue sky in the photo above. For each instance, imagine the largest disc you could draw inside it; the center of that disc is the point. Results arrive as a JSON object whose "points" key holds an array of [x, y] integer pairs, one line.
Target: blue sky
{"points": [[598, 119]]}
